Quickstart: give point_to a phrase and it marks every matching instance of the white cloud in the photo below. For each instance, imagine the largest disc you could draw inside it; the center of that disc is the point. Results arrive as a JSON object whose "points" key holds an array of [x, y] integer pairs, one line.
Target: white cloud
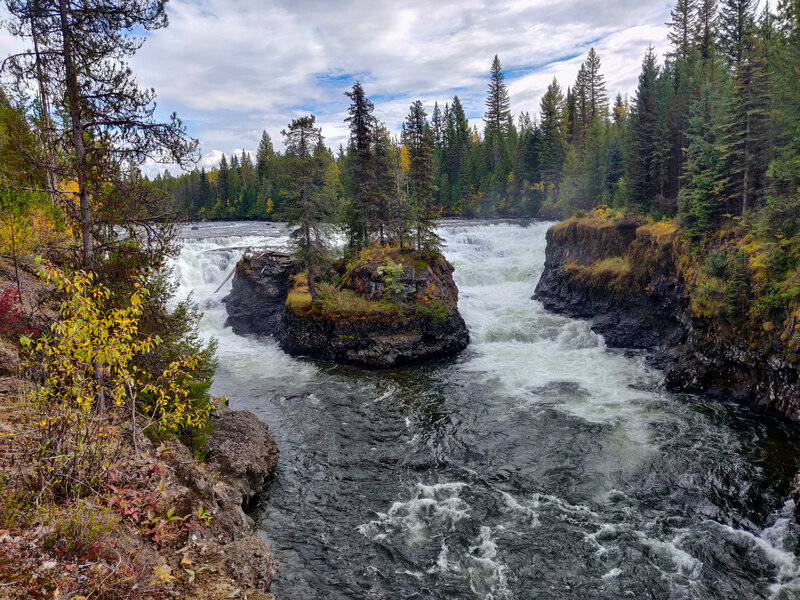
{"points": [[231, 69]]}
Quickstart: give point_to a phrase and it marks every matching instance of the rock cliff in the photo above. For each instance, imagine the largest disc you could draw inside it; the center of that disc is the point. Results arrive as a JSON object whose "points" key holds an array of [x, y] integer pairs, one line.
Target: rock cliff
{"points": [[629, 278]]}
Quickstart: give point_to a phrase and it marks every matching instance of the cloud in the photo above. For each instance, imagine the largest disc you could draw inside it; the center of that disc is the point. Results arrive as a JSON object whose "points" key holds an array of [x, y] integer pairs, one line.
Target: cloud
{"points": [[233, 69]]}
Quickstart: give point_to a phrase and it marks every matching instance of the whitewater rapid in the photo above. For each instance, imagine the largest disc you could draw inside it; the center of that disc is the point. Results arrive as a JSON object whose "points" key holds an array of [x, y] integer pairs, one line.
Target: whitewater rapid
{"points": [[537, 464]]}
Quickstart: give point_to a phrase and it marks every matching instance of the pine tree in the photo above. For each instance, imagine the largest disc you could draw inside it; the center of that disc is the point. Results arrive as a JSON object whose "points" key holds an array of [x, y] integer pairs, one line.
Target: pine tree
{"points": [[108, 124]]}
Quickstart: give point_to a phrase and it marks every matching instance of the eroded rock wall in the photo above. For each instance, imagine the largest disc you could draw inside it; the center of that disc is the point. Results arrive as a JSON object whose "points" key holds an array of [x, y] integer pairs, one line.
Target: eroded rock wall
{"points": [[628, 280]]}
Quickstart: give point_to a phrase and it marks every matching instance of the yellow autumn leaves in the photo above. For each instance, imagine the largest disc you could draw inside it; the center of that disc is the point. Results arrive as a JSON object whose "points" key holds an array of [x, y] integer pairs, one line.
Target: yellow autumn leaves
{"points": [[93, 353]]}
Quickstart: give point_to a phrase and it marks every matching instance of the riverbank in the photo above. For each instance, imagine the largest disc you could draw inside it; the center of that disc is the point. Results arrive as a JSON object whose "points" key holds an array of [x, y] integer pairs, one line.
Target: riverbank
{"points": [[166, 527], [156, 524], [643, 286]]}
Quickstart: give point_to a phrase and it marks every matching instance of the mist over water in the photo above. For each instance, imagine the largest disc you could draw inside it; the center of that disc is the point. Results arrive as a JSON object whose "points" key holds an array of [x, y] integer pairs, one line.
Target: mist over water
{"points": [[537, 464]]}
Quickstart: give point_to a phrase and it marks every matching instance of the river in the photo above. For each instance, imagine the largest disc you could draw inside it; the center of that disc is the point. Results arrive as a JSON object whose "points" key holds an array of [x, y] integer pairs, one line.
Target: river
{"points": [[538, 464]]}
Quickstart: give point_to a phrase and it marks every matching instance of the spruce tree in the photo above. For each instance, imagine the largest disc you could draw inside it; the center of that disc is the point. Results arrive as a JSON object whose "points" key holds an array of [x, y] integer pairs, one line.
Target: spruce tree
{"points": [[641, 178], [203, 193], [681, 27], [418, 139], [498, 113], [744, 149], [620, 112], [701, 199], [596, 87], [308, 199], [737, 20], [264, 155], [553, 144], [438, 123], [580, 113], [223, 191], [705, 26], [385, 179], [362, 170]]}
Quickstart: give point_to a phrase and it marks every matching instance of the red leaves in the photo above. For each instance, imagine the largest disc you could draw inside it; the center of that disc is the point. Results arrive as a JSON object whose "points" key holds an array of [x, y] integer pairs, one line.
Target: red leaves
{"points": [[10, 316]]}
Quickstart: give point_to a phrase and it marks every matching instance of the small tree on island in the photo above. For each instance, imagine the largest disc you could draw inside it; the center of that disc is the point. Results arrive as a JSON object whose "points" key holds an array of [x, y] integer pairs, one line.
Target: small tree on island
{"points": [[363, 213], [311, 191], [418, 139]]}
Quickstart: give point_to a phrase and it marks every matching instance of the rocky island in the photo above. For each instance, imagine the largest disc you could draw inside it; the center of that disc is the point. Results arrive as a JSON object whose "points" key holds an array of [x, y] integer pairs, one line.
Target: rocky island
{"points": [[383, 308]]}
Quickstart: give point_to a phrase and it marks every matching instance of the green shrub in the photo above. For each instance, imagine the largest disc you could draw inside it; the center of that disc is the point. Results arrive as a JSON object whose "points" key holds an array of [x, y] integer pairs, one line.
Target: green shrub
{"points": [[717, 264], [393, 286]]}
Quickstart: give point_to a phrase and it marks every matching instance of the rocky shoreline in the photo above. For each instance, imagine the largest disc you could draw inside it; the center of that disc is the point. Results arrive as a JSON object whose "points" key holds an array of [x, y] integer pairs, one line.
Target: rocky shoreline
{"points": [[258, 304], [628, 279]]}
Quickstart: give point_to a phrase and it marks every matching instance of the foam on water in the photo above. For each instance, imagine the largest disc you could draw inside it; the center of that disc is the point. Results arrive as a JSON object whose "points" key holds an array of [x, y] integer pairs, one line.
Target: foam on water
{"points": [[539, 462]]}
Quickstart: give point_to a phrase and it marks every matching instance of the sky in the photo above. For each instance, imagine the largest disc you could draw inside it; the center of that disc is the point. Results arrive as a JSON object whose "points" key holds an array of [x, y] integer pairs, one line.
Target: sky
{"points": [[232, 68]]}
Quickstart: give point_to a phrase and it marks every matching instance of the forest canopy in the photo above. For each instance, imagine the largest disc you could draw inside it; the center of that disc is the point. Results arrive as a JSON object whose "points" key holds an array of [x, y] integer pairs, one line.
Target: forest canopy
{"points": [[710, 133]]}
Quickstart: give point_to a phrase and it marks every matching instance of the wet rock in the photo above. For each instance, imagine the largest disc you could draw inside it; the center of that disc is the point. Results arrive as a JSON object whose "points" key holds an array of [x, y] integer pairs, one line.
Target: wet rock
{"points": [[378, 344], [241, 448], [257, 305], [258, 293]]}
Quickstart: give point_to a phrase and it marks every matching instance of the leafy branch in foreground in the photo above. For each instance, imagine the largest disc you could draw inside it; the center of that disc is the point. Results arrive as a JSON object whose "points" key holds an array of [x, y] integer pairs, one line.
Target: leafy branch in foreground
{"points": [[89, 369]]}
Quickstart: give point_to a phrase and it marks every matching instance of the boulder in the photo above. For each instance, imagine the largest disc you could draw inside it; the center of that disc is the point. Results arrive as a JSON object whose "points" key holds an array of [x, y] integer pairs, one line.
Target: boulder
{"points": [[241, 448]]}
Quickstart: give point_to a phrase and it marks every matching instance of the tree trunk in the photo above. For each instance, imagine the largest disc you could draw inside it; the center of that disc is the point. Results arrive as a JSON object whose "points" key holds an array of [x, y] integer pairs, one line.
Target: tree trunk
{"points": [[46, 125], [746, 175], [73, 98]]}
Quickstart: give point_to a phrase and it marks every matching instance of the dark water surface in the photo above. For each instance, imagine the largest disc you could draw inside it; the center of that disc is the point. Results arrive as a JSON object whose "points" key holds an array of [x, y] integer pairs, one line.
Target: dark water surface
{"points": [[538, 464]]}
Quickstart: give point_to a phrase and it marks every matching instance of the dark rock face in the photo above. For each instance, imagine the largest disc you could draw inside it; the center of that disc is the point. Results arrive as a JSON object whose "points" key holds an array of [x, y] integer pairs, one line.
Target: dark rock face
{"points": [[374, 343], [241, 447], [256, 301], [644, 317], [256, 304], [385, 340], [651, 311]]}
